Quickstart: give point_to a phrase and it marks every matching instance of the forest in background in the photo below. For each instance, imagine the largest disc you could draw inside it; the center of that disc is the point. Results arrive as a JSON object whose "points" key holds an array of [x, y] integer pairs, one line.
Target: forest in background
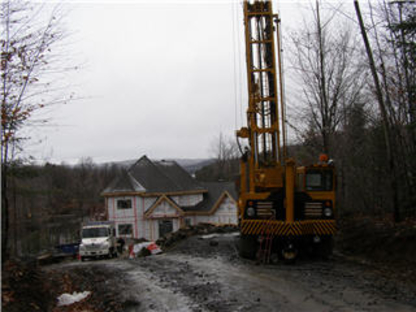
{"points": [[50, 202], [353, 83]]}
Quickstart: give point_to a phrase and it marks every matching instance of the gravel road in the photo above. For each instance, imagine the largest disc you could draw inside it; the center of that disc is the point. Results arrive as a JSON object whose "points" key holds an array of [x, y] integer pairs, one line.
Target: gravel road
{"points": [[198, 275]]}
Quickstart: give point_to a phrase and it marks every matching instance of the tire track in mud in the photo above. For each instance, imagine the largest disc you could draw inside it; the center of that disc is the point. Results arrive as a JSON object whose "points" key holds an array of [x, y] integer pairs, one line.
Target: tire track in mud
{"points": [[199, 276], [213, 279], [189, 288]]}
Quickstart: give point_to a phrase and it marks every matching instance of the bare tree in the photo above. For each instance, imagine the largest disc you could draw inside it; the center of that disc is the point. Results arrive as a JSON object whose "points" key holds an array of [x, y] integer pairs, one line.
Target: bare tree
{"points": [[224, 148], [29, 41], [326, 64], [225, 152], [397, 55], [391, 53]]}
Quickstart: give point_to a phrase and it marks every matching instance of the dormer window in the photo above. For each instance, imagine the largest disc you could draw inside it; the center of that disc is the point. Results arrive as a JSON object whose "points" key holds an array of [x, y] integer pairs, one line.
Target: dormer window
{"points": [[124, 204]]}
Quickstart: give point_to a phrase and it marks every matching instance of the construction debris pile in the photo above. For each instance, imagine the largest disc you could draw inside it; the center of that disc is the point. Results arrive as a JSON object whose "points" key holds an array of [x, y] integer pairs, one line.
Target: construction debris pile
{"points": [[169, 240]]}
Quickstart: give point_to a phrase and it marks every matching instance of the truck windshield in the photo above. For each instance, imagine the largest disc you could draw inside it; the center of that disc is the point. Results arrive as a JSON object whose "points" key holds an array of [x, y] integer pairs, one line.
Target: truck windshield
{"points": [[319, 180], [94, 232]]}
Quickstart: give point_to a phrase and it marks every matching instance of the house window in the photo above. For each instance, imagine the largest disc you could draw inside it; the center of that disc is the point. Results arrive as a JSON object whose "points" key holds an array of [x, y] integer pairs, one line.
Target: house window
{"points": [[124, 204], [188, 222], [165, 227], [125, 229]]}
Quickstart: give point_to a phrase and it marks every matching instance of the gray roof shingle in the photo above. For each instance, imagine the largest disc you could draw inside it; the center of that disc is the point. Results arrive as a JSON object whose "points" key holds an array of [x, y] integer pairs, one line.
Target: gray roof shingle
{"points": [[215, 190], [124, 183], [154, 177]]}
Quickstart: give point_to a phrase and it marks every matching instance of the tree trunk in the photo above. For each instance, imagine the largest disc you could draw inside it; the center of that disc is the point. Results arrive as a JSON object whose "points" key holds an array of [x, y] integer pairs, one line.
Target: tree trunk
{"points": [[5, 214], [323, 94], [386, 128]]}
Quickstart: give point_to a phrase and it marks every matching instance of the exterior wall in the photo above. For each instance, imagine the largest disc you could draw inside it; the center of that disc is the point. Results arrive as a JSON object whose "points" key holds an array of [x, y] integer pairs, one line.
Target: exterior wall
{"points": [[141, 227], [225, 214], [188, 200], [165, 210], [133, 215], [149, 228], [154, 227]]}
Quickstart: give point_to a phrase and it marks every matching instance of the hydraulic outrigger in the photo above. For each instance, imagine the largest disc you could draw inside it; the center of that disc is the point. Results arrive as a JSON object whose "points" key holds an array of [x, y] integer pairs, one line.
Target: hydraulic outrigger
{"points": [[282, 209]]}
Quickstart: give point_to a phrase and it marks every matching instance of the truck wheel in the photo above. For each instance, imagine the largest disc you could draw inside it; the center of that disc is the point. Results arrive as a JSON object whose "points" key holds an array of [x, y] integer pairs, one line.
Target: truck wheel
{"points": [[247, 247], [82, 259]]}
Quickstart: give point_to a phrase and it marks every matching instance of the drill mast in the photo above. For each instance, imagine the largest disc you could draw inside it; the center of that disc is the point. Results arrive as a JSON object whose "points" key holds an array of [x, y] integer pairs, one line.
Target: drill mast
{"points": [[265, 118]]}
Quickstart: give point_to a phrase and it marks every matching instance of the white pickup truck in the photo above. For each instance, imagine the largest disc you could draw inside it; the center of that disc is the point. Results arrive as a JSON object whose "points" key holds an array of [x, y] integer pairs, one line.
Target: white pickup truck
{"points": [[98, 239]]}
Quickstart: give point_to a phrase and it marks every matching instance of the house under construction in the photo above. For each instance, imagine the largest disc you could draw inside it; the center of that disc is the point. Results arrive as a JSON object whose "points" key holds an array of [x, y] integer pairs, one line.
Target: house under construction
{"points": [[153, 198]]}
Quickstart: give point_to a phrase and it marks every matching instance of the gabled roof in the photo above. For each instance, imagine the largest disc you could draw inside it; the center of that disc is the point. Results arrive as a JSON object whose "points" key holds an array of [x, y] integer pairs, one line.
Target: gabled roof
{"points": [[154, 177], [158, 202], [178, 175], [124, 183], [215, 194]]}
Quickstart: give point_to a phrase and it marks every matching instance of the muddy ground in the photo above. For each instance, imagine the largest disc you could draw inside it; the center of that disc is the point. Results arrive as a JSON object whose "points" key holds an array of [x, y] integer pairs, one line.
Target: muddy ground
{"points": [[198, 274]]}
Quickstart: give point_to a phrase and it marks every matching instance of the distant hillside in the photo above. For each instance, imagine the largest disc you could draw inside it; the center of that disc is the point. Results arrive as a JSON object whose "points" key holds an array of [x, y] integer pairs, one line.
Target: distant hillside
{"points": [[219, 171], [193, 165]]}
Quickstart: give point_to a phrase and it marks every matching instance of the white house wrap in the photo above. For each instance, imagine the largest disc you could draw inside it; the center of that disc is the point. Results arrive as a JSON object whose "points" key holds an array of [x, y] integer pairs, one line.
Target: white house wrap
{"points": [[153, 198]]}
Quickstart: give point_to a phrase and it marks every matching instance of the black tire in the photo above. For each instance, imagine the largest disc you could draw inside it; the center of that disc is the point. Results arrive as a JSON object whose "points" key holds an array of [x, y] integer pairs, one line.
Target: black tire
{"points": [[290, 261], [326, 247], [82, 259], [248, 246]]}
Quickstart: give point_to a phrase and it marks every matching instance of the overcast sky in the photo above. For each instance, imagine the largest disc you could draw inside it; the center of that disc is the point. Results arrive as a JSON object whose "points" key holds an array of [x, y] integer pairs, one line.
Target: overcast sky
{"points": [[156, 78]]}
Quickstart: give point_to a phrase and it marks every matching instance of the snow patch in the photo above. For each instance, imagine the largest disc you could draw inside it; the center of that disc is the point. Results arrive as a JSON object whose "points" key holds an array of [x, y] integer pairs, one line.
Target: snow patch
{"points": [[210, 236], [68, 299]]}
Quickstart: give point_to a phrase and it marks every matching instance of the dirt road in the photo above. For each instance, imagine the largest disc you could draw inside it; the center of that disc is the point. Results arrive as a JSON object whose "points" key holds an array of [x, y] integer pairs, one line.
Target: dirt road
{"points": [[198, 275]]}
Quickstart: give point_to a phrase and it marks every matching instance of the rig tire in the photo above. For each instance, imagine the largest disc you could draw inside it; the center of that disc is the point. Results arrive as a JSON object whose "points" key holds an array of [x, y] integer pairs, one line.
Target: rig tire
{"points": [[248, 246], [326, 247]]}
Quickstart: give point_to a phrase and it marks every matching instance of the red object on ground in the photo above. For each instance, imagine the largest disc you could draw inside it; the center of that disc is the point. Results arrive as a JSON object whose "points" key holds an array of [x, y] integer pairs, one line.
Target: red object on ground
{"points": [[131, 252]]}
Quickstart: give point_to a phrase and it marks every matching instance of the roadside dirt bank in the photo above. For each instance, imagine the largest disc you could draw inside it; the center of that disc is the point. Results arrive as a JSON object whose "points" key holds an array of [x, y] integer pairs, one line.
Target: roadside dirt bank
{"points": [[378, 242]]}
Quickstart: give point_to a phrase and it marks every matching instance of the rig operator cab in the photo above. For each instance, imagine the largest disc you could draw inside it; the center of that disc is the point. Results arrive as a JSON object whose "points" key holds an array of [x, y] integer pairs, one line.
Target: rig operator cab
{"points": [[318, 182], [283, 208]]}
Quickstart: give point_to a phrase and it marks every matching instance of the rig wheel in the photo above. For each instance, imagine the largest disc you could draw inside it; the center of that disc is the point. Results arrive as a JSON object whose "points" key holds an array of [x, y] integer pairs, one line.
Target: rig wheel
{"points": [[289, 256], [247, 246], [326, 247]]}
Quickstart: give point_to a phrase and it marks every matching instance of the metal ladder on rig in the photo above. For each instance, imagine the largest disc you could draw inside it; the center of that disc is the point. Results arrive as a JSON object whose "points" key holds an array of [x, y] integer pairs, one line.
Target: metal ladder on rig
{"points": [[265, 244]]}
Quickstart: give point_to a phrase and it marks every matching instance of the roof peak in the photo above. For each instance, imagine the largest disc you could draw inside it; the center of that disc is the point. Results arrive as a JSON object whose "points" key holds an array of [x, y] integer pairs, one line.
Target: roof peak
{"points": [[162, 175]]}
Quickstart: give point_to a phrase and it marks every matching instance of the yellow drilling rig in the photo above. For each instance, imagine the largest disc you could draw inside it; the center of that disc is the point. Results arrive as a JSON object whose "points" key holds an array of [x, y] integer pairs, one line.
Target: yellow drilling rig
{"points": [[283, 209]]}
